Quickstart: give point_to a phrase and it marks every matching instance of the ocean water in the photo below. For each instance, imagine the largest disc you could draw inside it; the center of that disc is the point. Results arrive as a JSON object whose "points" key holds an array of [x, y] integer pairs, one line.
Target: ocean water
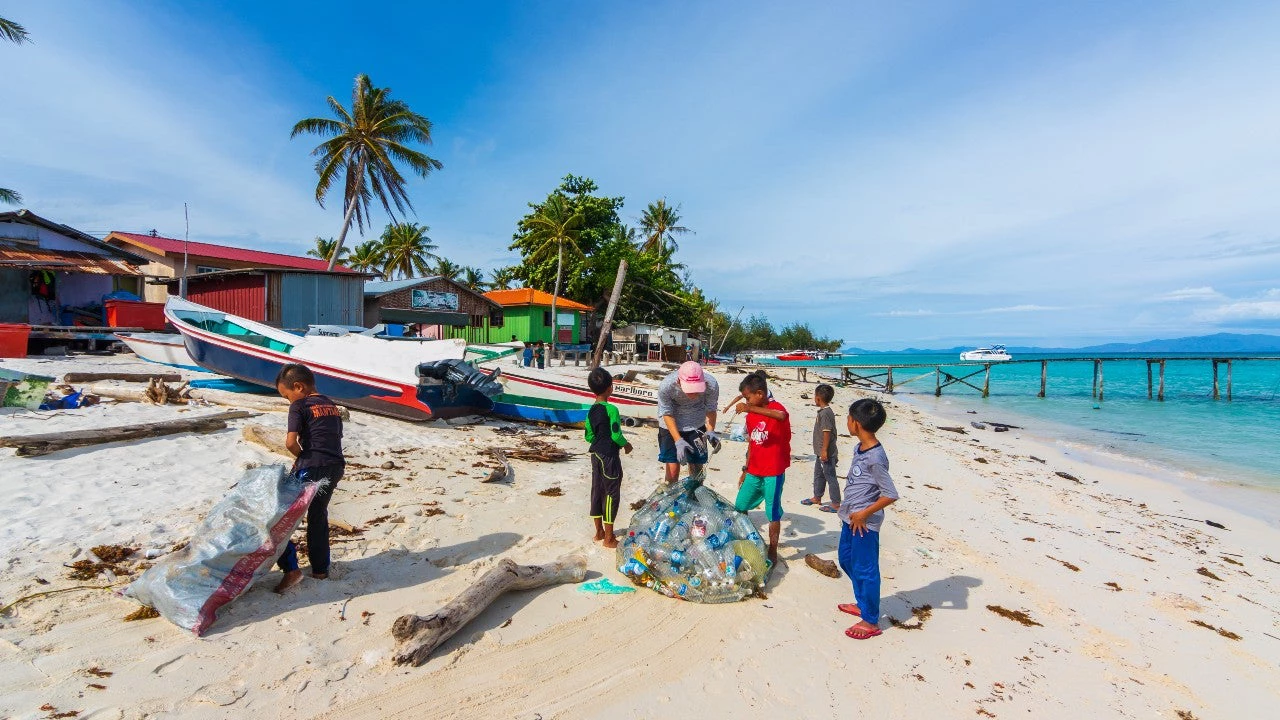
{"points": [[1234, 442]]}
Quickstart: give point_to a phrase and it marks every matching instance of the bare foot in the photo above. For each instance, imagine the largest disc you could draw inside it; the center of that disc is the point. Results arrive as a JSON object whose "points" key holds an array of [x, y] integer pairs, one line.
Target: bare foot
{"points": [[773, 555], [862, 631], [291, 578], [610, 542], [599, 536]]}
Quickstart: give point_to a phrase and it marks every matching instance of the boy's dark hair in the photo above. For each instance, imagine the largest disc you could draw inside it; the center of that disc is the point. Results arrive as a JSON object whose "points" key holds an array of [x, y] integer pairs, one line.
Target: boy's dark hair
{"points": [[295, 373], [753, 383], [869, 413], [824, 393], [599, 380]]}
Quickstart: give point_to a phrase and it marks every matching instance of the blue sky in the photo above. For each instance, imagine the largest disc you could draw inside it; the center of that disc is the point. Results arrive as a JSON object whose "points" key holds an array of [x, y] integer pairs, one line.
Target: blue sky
{"points": [[917, 173]]}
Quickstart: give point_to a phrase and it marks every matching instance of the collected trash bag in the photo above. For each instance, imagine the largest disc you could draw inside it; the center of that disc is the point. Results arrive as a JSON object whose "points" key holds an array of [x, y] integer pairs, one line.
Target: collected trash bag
{"points": [[234, 545], [688, 542]]}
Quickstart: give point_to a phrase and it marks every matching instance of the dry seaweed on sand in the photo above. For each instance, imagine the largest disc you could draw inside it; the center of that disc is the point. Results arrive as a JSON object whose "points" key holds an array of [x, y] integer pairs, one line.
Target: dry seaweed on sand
{"points": [[920, 614], [97, 686], [554, 491], [1221, 631], [53, 712], [112, 554], [638, 504], [1186, 715], [535, 450], [1065, 564], [1018, 616], [826, 567], [1114, 586], [87, 569], [99, 672], [1208, 573], [1068, 476], [143, 612]]}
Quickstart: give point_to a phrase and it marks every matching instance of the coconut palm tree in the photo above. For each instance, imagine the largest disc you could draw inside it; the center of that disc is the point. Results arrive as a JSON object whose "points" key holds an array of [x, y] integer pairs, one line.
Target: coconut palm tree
{"points": [[365, 143], [556, 225], [13, 32], [407, 250], [368, 256], [661, 224], [10, 197], [473, 277], [501, 278], [325, 249], [447, 269]]}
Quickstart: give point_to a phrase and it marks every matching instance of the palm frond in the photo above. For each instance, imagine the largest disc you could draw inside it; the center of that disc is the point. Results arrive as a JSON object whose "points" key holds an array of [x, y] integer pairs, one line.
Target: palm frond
{"points": [[10, 197], [13, 32]]}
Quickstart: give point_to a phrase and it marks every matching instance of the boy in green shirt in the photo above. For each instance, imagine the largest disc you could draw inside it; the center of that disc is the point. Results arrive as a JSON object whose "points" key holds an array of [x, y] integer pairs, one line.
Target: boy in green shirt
{"points": [[604, 432]]}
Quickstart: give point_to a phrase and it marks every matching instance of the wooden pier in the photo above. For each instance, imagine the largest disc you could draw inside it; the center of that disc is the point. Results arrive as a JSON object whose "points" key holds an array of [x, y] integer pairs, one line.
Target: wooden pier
{"points": [[881, 376]]}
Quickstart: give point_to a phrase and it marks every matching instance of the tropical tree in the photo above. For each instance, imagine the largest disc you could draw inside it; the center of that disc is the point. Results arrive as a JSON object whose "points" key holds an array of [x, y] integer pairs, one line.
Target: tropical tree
{"points": [[368, 256], [473, 277], [557, 225], [502, 278], [407, 250], [447, 269], [13, 32], [326, 248], [10, 197], [365, 143], [661, 224]]}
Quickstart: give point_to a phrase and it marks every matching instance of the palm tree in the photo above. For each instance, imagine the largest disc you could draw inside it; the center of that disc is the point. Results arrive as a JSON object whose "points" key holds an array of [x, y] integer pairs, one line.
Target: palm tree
{"points": [[447, 269], [368, 256], [502, 278], [13, 32], [473, 277], [661, 224], [326, 248], [557, 223], [364, 145], [407, 250], [10, 197]]}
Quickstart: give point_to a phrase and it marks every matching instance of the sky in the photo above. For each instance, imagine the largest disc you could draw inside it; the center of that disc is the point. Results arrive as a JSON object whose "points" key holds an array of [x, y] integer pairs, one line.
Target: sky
{"points": [[919, 174]]}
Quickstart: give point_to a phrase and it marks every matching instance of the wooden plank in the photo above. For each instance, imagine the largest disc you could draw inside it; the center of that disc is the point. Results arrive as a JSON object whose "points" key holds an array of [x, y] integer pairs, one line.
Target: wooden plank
{"points": [[32, 445], [1160, 397], [80, 377]]}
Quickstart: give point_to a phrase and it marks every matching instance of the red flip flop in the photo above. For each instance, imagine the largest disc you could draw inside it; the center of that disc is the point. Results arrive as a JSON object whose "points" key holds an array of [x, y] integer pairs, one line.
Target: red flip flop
{"points": [[858, 633], [849, 608]]}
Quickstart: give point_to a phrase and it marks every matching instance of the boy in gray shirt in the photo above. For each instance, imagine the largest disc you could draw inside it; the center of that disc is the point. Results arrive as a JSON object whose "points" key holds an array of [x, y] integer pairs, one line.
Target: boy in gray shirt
{"points": [[867, 492], [826, 450]]}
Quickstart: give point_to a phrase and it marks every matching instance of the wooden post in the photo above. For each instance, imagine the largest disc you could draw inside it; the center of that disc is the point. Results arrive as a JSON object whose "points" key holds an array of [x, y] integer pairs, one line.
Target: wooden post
{"points": [[607, 326], [937, 374], [1044, 377], [986, 382], [1160, 396], [1148, 379], [1100, 381], [1094, 394], [888, 383], [1215, 378], [1228, 380]]}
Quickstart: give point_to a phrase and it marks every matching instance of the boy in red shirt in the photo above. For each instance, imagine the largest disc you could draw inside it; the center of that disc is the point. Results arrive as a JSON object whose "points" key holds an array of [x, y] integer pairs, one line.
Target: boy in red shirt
{"points": [[768, 456]]}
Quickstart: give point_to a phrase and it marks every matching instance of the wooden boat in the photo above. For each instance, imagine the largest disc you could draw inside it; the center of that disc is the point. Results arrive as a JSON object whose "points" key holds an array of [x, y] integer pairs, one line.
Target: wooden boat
{"points": [[162, 348], [532, 409], [634, 399], [358, 371]]}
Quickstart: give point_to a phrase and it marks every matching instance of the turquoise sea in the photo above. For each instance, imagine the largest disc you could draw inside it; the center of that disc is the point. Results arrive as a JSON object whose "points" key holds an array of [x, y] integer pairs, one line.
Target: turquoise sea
{"points": [[1234, 441]]}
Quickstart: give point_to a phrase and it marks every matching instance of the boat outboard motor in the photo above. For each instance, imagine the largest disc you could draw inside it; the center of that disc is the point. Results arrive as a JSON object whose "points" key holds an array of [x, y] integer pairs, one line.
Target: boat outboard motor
{"points": [[459, 372]]}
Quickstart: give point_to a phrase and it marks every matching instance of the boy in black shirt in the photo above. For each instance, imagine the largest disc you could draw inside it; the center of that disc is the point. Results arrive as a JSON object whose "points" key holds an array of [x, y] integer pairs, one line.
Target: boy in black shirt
{"points": [[604, 432], [315, 439]]}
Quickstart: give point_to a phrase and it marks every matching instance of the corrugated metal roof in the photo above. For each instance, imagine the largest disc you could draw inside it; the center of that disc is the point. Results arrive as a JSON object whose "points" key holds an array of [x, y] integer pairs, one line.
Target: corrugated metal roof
{"points": [[529, 296], [26, 217], [162, 245], [382, 287], [64, 260]]}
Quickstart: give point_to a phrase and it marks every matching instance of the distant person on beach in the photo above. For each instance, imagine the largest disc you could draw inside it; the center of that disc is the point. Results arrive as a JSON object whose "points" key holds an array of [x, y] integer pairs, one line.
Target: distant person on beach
{"points": [[763, 376], [768, 456], [528, 354], [867, 492], [604, 432], [315, 439], [540, 353], [825, 448], [687, 403]]}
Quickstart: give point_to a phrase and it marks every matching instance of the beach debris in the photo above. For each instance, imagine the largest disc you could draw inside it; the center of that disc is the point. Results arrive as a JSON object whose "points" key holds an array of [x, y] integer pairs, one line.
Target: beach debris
{"points": [[932, 487], [1231, 561], [34, 445], [1001, 428], [995, 425], [502, 470], [99, 672], [1207, 573], [958, 430], [53, 712], [1210, 523], [418, 636], [5, 610], [431, 510], [379, 520], [159, 392], [342, 614], [270, 438], [1186, 715], [388, 465], [977, 425], [919, 614], [144, 612], [1068, 476], [1018, 616], [112, 553], [553, 491], [1039, 460], [1221, 631], [84, 377], [536, 450], [1114, 586], [605, 586], [96, 686], [1029, 539], [980, 460], [984, 712], [641, 503], [1064, 563], [826, 567], [1270, 560]]}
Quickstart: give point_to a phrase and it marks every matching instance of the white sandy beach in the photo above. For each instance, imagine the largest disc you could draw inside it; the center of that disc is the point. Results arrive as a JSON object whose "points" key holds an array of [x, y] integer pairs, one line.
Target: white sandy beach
{"points": [[980, 524]]}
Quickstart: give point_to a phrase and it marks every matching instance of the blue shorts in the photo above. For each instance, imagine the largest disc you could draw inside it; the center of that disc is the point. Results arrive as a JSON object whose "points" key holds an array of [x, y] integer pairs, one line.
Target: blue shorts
{"points": [[667, 446]]}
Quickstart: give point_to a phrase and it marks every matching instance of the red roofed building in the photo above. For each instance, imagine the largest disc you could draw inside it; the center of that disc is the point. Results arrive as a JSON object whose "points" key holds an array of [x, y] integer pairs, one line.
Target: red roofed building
{"points": [[165, 256], [526, 315]]}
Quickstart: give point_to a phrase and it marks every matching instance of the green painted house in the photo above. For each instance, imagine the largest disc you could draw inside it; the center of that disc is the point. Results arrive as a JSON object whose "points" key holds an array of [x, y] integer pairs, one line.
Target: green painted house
{"points": [[526, 314]]}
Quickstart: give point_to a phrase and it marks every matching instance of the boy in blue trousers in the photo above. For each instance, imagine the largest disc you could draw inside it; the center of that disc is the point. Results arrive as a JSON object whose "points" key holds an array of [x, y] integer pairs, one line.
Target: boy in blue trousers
{"points": [[868, 491]]}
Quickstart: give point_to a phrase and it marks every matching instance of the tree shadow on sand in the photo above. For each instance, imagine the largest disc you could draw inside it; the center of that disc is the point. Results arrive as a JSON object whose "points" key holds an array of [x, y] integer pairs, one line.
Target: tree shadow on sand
{"points": [[380, 572]]}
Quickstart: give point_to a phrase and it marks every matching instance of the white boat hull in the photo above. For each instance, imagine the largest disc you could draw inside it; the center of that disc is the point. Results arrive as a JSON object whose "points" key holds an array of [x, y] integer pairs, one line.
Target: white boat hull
{"points": [[636, 400], [977, 356], [162, 348]]}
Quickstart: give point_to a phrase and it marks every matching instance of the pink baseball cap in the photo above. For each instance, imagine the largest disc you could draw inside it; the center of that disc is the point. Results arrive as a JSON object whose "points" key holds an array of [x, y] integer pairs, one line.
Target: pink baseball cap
{"points": [[691, 378]]}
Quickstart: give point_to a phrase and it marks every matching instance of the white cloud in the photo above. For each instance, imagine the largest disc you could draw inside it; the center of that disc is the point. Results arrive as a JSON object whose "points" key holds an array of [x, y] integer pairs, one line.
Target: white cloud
{"points": [[907, 313], [1243, 310], [1190, 293]]}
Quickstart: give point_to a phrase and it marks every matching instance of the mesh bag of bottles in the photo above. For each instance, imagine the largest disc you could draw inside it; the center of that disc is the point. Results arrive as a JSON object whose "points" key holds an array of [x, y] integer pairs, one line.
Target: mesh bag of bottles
{"points": [[688, 542]]}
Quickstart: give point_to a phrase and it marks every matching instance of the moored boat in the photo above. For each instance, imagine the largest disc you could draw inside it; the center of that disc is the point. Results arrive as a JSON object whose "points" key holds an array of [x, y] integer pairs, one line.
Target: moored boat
{"points": [[355, 370], [995, 353], [634, 399], [541, 410], [162, 348]]}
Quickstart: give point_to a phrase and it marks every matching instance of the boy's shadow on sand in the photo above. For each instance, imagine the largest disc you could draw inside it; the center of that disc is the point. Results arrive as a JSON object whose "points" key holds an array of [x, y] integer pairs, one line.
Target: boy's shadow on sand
{"points": [[947, 594], [376, 573]]}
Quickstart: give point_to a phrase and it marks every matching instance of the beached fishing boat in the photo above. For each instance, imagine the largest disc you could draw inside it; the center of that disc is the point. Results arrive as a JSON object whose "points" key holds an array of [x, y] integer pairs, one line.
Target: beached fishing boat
{"points": [[162, 348], [569, 385], [540, 410], [409, 381], [995, 353]]}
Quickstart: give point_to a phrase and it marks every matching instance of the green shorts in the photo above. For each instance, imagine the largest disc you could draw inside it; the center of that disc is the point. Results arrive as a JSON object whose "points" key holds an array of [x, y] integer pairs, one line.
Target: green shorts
{"points": [[756, 489]]}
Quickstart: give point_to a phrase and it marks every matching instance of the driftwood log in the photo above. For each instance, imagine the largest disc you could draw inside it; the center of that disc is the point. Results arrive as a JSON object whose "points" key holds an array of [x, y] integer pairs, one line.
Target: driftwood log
{"points": [[265, 403], [417, 636], [83, 377], [32, 445], [270, 438]]}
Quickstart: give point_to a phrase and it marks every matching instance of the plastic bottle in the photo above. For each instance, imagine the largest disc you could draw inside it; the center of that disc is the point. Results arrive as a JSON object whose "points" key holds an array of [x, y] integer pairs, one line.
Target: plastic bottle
{"points": [[718, 540], [679, 535], [742, 527], [663, 528], [698, 528]]}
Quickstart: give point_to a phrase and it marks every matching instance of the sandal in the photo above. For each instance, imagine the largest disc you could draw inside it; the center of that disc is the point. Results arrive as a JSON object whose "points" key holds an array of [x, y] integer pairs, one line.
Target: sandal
{"points": [[809, 501], [850, 608], [859, 633], [828, 508]]}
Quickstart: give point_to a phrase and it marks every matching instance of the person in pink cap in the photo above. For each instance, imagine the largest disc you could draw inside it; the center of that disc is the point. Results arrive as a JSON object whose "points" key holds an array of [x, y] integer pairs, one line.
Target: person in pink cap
{"points": [[687, 403]]}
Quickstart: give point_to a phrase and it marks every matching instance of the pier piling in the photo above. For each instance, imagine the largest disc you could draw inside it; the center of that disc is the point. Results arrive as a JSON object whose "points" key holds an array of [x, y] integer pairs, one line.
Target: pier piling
{"points": [[1160, 397], [1215, 378], [1044, 376]]}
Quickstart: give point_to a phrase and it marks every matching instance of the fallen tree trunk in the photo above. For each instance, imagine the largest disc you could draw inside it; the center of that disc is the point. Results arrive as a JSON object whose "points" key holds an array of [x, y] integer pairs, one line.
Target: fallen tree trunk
{"points": [[32, 445], [270, 438], [265, 403], [82, 377], [419, 636]]}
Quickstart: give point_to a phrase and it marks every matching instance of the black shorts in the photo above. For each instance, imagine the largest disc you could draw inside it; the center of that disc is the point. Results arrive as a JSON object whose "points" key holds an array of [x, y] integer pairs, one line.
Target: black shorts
{"points": [[606, 486], [667, 446]]}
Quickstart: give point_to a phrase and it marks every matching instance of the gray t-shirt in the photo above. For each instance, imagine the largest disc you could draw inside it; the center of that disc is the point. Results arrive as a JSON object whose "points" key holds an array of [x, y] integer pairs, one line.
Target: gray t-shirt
{"points": [[826, 421], [689, 413], [868, 481]]}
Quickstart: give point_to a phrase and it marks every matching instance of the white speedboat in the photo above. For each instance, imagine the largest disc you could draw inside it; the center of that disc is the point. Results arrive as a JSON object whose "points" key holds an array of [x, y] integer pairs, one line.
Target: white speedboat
{"points": [[162, 348], [995, 353]]}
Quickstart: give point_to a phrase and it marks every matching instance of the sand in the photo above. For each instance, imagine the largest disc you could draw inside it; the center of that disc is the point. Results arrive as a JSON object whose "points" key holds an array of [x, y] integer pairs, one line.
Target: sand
{"points": [[1120, 607]]}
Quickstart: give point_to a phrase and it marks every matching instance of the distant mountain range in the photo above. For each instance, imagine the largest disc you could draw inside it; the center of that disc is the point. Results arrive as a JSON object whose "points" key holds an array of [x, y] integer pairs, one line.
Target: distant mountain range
{"points": [[1218, 343]]}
